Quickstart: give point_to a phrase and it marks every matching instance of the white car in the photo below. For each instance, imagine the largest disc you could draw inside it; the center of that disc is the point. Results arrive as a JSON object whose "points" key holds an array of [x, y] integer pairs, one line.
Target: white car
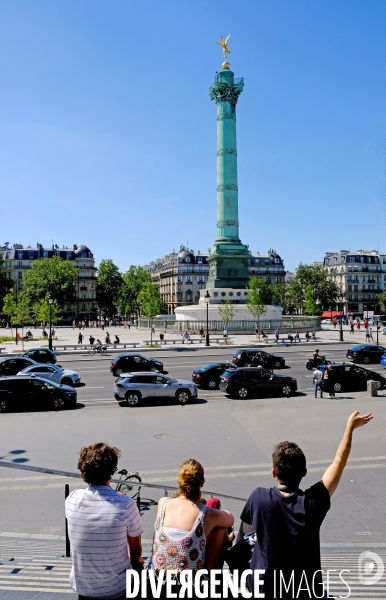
{"points": [[54, 373], [326, 322]]}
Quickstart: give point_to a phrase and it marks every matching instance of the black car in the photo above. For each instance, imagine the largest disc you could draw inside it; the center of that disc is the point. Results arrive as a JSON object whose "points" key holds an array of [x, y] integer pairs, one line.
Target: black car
{"points": [[366, 353], [12, 366], [41, 355], [252, 381], [351, 378], [209, 376], [127, 363], [25, 391], [241, 358]]}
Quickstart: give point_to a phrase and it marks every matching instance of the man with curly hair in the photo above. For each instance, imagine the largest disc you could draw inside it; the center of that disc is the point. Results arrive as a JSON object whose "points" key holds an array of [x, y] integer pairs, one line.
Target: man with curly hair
{"points": [[287, 520], [104, 527]]}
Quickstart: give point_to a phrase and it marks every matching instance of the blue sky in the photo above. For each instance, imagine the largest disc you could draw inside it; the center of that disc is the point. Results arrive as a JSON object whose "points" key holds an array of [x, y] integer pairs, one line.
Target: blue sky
{"points": [[108, 135]]}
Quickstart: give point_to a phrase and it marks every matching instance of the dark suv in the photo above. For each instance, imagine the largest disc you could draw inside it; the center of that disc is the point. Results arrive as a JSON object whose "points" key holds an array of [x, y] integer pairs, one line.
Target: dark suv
{"points": [[241, 358], [251, 381], [351, 378], [127, 363], [25, 391], [41, 355]]}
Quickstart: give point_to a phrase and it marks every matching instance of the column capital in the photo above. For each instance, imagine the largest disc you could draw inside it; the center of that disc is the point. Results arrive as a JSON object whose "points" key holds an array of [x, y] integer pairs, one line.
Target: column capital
{"points": [[222, 91]]}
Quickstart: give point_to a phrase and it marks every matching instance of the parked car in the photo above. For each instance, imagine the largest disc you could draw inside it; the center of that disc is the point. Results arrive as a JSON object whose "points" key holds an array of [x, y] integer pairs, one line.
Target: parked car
{"points": [[135, 387], [30, 392], [53, 373], [326, 321], [242, 358], [366, 353], [128, 363], [351, 378], [12, 366], [252, 381], [41, 355], [209, 376]]}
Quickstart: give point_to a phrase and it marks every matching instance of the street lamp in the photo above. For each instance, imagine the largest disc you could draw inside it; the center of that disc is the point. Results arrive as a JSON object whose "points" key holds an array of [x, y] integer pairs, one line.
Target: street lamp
{"points": [[340, 299], [207, 300], [50, 301]]}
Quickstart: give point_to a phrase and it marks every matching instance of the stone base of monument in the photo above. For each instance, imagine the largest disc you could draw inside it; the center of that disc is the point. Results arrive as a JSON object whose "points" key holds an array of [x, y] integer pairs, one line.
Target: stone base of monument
{"points": [[238, 298]]}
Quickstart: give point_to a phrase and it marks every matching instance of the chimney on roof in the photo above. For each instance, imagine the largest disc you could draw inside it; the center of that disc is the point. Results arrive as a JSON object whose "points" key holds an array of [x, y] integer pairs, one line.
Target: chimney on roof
{"points": [[75, 246]]}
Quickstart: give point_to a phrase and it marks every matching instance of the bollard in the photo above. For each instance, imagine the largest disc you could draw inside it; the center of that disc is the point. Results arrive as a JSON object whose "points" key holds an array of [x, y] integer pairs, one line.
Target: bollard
{"points": [[68, 547], [372, 388]]}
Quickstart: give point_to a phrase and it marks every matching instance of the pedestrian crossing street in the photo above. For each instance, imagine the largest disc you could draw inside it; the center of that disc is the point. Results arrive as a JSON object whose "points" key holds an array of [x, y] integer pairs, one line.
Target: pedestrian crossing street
{"points": [[40, 566]]}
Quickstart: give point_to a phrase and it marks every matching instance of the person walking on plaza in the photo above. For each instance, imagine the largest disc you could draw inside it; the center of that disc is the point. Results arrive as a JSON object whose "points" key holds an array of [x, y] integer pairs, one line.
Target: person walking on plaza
{"points": [[307, 336], [287, 519], [352, 327], [104, 528], [91, 340], [80, 337], [330, 378], [297, 337], [107, 338], [318, 382], [358, 325], [277, 334], [371, 335], [367, 334]]}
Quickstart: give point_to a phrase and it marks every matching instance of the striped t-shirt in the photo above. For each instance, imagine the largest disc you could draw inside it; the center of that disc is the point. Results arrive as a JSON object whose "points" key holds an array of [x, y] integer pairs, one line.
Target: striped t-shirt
{"points": [[99, 522]]}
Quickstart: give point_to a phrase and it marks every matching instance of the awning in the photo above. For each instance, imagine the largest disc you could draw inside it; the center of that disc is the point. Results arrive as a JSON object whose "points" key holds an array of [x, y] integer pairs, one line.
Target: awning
{"points": [[331, 313]]}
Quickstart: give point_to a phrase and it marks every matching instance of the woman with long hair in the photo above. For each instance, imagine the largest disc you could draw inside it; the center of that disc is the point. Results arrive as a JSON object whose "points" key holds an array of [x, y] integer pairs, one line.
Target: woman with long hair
{"points": [[187, 533]]}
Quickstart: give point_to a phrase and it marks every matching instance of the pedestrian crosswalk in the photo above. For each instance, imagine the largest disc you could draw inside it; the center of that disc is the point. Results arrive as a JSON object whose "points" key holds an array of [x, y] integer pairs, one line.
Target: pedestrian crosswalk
{"points": [[40, 566]]}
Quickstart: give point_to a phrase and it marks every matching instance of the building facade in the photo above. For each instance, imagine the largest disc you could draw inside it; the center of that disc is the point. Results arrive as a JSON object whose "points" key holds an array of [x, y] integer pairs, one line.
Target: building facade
{"points": [[360, 276], [181, 275], [18, 259]]}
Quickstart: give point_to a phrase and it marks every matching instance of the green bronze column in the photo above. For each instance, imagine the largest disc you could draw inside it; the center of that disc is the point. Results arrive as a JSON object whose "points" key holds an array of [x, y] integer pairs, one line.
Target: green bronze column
{"points": [[228, 258]]}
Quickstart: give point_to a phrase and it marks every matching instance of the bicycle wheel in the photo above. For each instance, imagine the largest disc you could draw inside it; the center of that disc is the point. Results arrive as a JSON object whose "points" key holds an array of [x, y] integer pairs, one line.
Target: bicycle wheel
{"points": [[104, 350], [91, 351], [126, 488]]}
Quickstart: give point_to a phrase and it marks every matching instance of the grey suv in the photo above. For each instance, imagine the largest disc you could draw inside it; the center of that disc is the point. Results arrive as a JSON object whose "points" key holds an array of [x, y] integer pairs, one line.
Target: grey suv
{"points": [[133, 387]]}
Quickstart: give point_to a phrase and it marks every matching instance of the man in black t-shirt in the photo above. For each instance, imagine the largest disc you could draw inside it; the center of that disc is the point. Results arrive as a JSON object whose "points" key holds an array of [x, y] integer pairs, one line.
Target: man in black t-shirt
{"points": [[287, 520]]}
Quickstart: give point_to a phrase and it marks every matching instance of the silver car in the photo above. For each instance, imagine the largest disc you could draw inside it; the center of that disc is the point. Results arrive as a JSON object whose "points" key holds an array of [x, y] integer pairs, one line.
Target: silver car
{"points": [[54, 373], [132, 387]]}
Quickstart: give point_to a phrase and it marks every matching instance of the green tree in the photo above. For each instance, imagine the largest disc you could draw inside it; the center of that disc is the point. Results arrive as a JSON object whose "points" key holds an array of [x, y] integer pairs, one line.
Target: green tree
{"points": [[227, 311], [41, 311], [255, 303], [382, 302], [6, 283], [150, 302], [53, 276], [325, 291], [108, 288], [310, 306], [20, 311], [132, 283]]}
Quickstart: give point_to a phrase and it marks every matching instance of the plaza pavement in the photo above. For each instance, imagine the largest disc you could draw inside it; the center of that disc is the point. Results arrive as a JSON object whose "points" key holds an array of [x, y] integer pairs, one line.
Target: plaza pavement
{"points": [[68, 335]]}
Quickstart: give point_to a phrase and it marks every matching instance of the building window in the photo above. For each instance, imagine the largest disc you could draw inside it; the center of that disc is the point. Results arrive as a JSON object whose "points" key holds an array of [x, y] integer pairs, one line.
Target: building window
{"points": [[83, 307], [179, 277], [30, 255], [188, 278], [20, 275], [179, 287], [200, 278], [20, 263], [68, 254], [199, 260], [45, 254], [20, 254], [83, 255]]}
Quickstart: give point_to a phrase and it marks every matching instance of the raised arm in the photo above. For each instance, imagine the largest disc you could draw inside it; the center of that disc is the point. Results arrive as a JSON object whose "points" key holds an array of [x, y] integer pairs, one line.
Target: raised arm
{"points": [[334, 472]]}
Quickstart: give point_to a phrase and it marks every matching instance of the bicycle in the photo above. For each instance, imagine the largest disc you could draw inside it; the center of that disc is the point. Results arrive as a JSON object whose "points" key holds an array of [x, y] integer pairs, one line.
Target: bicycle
{"points": [[94, 350], [125, 486]]}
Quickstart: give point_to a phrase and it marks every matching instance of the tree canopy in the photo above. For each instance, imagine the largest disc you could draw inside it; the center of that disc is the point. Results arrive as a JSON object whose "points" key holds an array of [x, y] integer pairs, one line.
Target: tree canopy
{"points": [[133, 281], [108, 288], [53, 276]]}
